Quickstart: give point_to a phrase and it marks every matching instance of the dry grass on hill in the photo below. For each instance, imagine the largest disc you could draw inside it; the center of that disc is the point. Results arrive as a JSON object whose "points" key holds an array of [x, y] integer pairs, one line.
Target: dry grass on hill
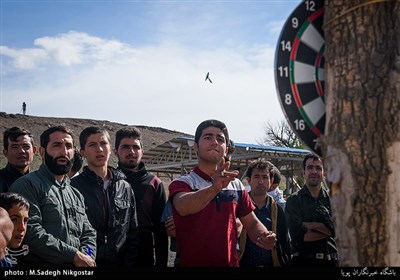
{"points": [[152, 136]]}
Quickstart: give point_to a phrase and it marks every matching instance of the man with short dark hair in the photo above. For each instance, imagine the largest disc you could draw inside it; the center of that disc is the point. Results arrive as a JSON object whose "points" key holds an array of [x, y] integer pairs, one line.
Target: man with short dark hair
{"points": [[309, 218], [206, 202], [77, 165], [109, 199], [150, 198], [19, 149], [59, 232], [274, 191], [260, 174]]}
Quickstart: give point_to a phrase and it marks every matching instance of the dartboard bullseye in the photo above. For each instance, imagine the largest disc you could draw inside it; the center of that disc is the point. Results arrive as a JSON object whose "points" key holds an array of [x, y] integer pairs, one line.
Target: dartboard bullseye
{"points": [[299, 72]]}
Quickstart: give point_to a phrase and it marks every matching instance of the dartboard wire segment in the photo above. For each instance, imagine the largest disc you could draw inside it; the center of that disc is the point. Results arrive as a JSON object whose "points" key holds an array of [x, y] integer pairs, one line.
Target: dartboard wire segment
{"points": [[302, 73]]}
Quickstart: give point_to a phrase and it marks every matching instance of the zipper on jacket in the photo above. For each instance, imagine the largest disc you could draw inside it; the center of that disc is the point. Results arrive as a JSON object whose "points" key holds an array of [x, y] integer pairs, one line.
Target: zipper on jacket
{"points": [[218, 203], [104, 198]]}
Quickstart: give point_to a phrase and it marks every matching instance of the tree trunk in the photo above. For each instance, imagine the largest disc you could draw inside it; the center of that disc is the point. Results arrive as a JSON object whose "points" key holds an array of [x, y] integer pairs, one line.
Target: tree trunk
{"points": [[361, 146]]}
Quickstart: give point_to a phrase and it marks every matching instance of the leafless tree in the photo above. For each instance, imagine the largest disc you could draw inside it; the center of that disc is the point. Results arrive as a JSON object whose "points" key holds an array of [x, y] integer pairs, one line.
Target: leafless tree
{"points": [[280, 135]]}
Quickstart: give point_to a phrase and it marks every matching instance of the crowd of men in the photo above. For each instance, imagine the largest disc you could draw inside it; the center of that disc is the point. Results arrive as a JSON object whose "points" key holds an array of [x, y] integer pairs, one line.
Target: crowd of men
{"points": [[106, 216]]}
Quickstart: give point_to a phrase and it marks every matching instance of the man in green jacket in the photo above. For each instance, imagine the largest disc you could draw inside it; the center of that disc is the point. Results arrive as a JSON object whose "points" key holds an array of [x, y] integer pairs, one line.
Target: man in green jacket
{"points": [[59, 232]]}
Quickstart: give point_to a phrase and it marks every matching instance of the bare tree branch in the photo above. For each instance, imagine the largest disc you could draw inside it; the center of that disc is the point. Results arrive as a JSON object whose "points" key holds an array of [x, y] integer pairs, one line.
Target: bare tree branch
{"points": [[280, 135]]}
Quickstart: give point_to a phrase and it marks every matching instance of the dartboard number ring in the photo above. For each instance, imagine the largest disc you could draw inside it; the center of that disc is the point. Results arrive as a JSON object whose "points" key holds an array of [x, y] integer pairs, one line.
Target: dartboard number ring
{"points": [[299, 72]]}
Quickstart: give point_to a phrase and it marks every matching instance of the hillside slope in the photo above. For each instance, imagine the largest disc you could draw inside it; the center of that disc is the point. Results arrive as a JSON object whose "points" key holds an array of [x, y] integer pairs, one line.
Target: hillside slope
{"points": [[152, 136]]}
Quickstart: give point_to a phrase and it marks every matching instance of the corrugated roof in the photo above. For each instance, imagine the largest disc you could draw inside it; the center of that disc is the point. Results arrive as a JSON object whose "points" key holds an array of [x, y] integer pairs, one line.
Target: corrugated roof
{"points": [[177, 156]]}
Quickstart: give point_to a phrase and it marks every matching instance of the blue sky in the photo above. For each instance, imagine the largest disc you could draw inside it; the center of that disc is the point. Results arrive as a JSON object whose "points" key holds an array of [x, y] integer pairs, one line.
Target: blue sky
{"points": [[144, 62]]}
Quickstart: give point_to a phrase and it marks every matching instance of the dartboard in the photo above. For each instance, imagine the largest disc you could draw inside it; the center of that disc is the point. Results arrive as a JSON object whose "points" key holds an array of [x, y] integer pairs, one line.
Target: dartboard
{"points": [[299, 72]]}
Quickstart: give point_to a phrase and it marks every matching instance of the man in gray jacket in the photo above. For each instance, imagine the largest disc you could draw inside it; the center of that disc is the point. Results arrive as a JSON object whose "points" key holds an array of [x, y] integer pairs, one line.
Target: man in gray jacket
{"points": [[59, 232]]}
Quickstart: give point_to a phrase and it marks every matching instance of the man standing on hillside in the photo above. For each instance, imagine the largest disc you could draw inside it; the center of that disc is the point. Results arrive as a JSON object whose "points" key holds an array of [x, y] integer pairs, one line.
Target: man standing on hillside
{"points": [[150, 198], [19, 149]]}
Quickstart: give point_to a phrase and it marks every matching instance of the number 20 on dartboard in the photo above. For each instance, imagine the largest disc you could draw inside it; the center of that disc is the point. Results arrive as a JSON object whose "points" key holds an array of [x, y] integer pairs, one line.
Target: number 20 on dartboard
{"points": [[299, 71]]}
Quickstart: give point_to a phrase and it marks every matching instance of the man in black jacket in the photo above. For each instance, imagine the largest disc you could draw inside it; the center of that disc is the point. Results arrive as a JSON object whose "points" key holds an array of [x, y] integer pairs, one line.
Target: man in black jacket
{"points": [[19, 149], [150, 197], [110, 201], [309, 218]]}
